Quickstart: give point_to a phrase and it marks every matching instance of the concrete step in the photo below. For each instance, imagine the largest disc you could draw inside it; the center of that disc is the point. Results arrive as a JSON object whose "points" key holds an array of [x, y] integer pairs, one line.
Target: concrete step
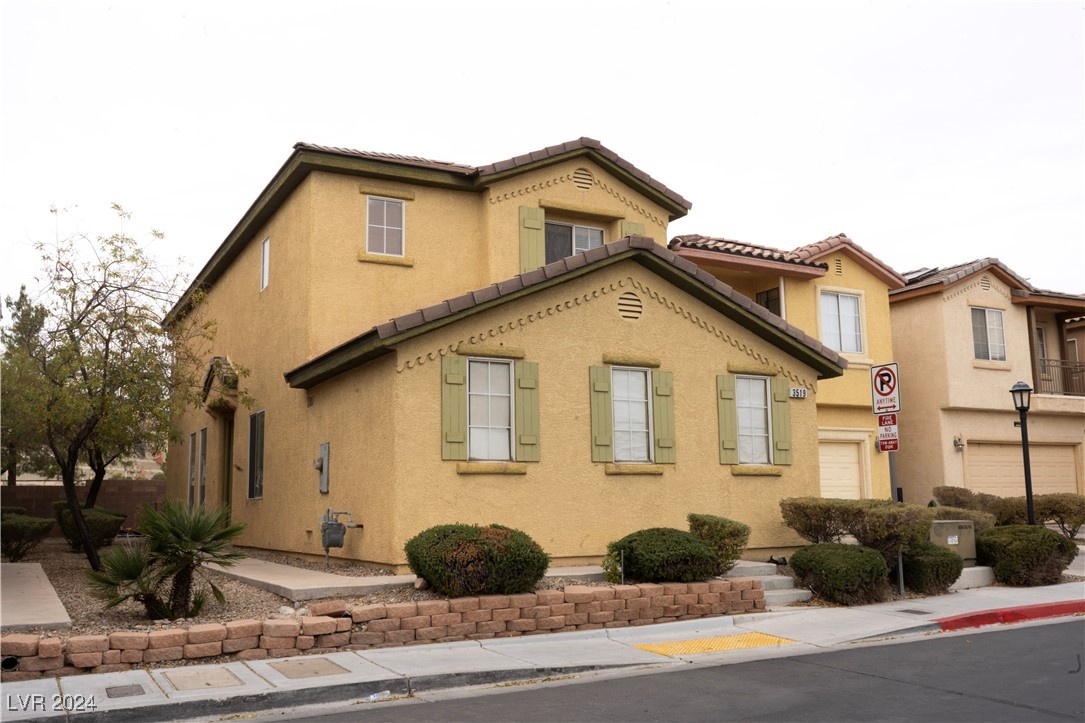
{"points": [[776, 582], [745, 568], [779, 598]]}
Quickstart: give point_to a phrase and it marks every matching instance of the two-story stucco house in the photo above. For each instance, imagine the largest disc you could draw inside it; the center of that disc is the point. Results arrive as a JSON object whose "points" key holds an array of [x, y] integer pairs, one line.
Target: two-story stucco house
{"points": [[839, 291], [506, 343], [963, 336]]}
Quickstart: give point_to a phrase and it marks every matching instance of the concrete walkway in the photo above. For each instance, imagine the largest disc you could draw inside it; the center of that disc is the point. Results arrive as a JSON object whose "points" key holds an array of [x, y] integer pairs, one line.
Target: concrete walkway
{"points": [[28, 600], [218, 691]]}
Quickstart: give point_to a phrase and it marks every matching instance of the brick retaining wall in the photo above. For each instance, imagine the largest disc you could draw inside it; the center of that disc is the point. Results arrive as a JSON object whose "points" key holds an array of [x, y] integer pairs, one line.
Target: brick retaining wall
{"points": [[333, 627]]}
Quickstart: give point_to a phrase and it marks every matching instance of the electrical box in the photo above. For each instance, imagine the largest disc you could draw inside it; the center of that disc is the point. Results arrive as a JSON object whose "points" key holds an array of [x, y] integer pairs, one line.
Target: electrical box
{"points": [[332, 533], [324, 452], [956, 535]]}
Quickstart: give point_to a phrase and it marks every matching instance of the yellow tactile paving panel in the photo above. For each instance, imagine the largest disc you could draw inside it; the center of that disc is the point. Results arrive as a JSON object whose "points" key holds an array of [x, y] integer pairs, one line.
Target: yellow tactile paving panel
{"points": [[715, 645]]}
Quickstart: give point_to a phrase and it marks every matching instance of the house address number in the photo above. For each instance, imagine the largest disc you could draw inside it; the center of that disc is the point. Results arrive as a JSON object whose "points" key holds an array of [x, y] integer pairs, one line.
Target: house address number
{"points": [[797, 392]]}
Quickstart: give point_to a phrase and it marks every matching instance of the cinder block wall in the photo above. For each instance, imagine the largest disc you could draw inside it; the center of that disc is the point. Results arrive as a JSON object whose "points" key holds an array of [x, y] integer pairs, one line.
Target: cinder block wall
{"points": [[122, 495]]}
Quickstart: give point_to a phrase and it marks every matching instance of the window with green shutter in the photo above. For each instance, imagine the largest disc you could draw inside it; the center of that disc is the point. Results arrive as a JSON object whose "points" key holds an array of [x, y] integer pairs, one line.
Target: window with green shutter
{"points": [[754, 420], [728, 418], [781, 422], [532, 238], [632, 415], [631, 228], [489, 409]]}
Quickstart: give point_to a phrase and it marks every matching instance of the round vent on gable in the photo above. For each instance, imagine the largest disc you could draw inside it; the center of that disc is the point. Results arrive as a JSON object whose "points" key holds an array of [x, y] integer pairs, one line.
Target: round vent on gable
{"points": [[985, 282], [630, 306], [583, 179]]}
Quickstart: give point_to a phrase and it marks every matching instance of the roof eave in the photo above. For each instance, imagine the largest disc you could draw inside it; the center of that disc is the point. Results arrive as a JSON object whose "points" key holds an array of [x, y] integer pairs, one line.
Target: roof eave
{"points": [[725, 260]]}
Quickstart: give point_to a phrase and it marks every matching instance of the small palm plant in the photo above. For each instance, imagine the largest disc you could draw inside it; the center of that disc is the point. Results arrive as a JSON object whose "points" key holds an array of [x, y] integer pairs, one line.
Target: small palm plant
{"points": [[179, 542]]}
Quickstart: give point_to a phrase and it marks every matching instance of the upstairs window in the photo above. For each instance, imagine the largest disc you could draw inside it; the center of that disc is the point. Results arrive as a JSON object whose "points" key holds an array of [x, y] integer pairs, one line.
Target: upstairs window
{"points": [[770, 299], [265, 260], [841, 325], [1041, 344], [567, 239], [988, 340], [384, 226]]}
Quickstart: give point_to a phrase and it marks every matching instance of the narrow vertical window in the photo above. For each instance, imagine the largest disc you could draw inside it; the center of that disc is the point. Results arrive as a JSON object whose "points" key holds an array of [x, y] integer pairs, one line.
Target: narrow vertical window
{"points": [[751, 401], [988, 340], [1041, 345], [256, 455], [841, 326], [489, 409], [384, 226], [632, 415], [191, 468], [265, 260], [203, 467]]}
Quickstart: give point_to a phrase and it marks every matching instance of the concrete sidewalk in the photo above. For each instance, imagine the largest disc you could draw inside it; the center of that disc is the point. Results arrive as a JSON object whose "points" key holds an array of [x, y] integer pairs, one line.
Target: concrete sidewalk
{"points": [[216, 691]]}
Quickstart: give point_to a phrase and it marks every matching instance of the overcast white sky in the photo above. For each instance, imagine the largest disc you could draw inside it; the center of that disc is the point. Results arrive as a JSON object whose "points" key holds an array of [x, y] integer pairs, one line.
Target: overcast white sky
{"points": [[932, 134]]}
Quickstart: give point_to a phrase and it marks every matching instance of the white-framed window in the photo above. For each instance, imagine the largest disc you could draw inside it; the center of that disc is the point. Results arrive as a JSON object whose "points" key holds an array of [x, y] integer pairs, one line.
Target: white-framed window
{"points": [[265, 261], [841, 322], [632, 405], [754, 424], [256, 455], [565, 239], [202, 488], [384, 226], [489, 409], [191, 468], [988, 339], [1041, 344], [1071, 350]]}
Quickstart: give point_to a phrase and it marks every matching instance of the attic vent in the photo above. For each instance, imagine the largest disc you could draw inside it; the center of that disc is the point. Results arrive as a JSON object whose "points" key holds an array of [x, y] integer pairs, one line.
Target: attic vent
{"points": [[630, 306], [838, 266], [583, 179], [985, 282]]}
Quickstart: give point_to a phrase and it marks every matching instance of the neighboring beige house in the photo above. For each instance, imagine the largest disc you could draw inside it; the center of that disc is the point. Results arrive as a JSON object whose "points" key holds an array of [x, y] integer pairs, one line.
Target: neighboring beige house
{"points": [[963, 336], [506, 343], [839, 291]]}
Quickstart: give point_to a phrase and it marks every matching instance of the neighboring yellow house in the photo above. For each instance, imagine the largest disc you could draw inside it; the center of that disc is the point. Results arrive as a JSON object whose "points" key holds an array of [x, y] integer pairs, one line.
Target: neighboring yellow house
{"points": [[579, 381], [838, 291], [964, 335]]}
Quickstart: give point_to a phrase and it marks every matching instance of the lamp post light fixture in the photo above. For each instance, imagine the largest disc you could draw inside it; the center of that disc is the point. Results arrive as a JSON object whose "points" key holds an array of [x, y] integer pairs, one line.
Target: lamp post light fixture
{"points": [[1022, 393]]}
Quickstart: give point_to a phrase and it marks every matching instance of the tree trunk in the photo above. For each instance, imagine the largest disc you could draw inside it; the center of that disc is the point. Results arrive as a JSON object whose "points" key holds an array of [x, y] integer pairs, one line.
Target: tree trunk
{"points": [[13, 466], [98, 464], [68, 477], [181, 593]]}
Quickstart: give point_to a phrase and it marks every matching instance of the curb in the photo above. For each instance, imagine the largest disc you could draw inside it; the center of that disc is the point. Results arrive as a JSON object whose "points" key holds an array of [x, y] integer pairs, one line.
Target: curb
{"points": [[1012, 615]]}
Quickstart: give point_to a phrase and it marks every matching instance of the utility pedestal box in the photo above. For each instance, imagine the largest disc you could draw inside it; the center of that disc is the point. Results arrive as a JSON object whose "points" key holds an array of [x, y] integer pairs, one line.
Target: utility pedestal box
{"points": [[956, 535]]}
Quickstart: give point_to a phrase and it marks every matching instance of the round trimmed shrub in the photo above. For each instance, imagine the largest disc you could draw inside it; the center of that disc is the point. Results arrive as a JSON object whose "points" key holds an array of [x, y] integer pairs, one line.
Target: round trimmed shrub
{"points": [[726, 537], [1065, 509], [1008, 510], [102, 524], [660, 554], [931, 568], [846, 574], [5, 511], [1025, 555], [961, 497], [21, 534], [458, 560]]}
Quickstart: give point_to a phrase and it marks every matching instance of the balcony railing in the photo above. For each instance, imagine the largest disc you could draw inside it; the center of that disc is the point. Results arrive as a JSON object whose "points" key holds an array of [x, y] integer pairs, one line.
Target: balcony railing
{"points": [[1054, 376]]}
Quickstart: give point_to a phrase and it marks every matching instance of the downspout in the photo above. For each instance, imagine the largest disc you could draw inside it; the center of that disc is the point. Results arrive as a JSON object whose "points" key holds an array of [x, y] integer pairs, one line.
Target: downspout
{"points": [[783, 303]]}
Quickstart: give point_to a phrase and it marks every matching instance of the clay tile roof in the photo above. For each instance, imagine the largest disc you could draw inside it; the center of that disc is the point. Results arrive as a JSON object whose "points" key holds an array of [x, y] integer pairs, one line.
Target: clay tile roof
{"points": [[390, 157], [952, 274], [738, 248], [819, 248], [377, 339]]}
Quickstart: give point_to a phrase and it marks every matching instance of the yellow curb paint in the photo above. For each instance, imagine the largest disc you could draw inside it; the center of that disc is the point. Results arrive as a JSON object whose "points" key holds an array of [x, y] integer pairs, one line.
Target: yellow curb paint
{"points": [[715, 645]]}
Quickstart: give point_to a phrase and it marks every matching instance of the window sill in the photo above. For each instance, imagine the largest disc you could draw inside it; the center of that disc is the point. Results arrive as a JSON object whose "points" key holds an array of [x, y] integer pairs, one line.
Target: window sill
{"points": [[649, 469], [387, 260], [491, 468], [1002, 366], [751, 470]]}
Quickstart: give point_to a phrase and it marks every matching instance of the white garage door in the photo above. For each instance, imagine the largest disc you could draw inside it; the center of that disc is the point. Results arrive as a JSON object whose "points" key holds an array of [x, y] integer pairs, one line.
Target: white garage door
{"points": [[999, 469], [841, 474]]}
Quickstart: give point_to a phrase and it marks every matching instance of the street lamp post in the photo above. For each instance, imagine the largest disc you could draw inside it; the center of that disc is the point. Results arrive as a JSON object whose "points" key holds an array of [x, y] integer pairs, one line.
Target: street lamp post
{"points": [[1021, 393]]}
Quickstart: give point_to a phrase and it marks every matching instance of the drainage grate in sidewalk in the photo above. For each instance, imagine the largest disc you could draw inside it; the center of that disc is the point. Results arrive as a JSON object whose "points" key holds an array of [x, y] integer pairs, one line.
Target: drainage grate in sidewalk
{"points": [[715, 645]]}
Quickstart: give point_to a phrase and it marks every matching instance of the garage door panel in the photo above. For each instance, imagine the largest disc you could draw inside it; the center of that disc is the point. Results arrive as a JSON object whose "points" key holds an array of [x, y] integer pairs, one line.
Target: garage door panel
{"points": [[999, 469], [841, 475]]}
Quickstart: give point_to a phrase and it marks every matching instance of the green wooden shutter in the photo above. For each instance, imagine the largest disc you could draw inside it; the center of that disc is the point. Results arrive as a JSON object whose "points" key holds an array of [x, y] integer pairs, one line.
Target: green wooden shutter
{"points": [[663, 416], [532, 238], [781, 421], [728, 415], [527, 411], [629, 228], [453, 407], [602, 415]]}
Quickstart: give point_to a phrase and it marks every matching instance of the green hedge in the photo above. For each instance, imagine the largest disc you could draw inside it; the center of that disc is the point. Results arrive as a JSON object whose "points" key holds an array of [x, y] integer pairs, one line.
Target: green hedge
{"points": [[930, 568], [891, 528], [5, 511], [21, 534], [726, 537], [980, 520], [824, 519], [1009, 510], [1025, 555], [458, 560], [102, 524], [845, 574], [1065, 509], [961, 497], [660, 554]]}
